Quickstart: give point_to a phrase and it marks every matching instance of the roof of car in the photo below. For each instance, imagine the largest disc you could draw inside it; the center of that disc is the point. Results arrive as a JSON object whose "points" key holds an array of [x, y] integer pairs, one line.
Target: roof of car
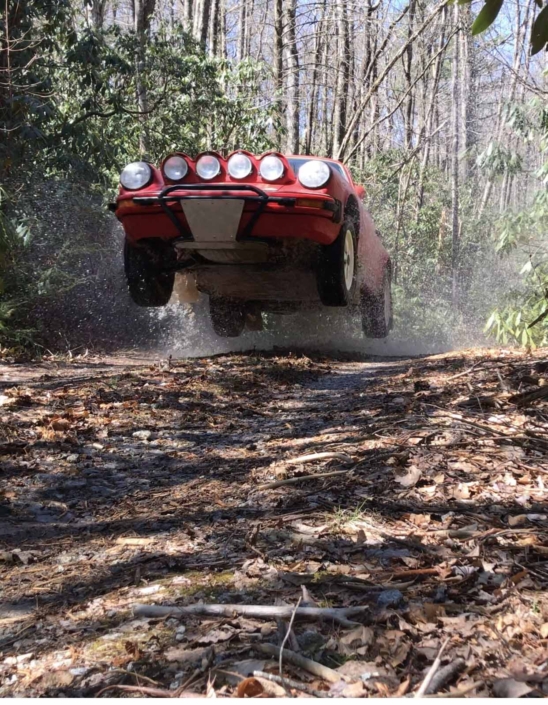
{"points": [[311, 156]]}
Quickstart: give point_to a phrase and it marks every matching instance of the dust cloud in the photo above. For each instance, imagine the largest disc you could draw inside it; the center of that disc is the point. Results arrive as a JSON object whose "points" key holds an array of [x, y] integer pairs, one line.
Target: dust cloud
{"points": [[187, 332], [100, 315]]}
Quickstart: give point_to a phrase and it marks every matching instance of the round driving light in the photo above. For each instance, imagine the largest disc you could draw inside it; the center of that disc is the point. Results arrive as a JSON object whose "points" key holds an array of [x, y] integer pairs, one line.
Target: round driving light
{"points": [[271, 168], [239, 166], [135, 175], [208, 167], [314, 173], [175, 168]]}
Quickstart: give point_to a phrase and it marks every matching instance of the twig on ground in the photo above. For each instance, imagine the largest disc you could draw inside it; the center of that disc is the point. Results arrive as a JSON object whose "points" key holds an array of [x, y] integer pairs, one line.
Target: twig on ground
{"points": [[335, 614], [302, 478], [292, 684], [318, 456], [153, 692], [467, 371], [11, 639], [433, 668], [317, 669], [286, 637], [523, 399], [445, 675]]}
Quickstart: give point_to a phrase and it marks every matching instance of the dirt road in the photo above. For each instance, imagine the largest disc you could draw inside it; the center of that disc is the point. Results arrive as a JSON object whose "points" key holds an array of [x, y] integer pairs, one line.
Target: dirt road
{"points": [[126, 480]]}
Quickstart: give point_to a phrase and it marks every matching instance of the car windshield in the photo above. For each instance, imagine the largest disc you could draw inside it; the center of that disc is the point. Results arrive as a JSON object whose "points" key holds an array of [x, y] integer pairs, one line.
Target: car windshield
{"points": [[297, 162]]}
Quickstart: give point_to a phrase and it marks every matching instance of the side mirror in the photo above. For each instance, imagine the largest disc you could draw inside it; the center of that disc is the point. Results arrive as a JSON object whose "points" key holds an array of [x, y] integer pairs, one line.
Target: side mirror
{"points": [[360, 190]]}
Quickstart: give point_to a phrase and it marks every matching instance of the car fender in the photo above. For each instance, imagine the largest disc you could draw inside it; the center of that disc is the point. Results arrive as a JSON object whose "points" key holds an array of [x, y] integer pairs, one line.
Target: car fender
{"points": [[372, 256]]}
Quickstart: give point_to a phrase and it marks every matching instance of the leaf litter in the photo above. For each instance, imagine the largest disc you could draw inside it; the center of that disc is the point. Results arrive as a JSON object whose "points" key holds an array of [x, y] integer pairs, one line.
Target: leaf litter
{"points": [[418, 492]]}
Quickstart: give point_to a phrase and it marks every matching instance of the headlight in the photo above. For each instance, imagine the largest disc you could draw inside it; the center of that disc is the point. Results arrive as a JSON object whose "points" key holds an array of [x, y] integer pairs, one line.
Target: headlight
{"points": [[239, 166], [314, 173], [136, 175], [271, 168], [208, 167], [175, 168]]}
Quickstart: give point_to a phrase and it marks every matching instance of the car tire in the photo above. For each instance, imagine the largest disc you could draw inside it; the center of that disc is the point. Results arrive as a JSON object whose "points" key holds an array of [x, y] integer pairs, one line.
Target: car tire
{"points": [[227, 317], [376, 310], [149, 279], [337, 268]]}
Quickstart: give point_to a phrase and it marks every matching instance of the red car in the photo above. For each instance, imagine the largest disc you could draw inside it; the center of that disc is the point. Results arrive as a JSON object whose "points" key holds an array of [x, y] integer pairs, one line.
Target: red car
{"points": [[268, 234]]}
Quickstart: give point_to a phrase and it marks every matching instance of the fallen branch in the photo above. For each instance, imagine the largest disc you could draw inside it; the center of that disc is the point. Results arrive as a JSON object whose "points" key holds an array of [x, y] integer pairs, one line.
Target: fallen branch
{"points": [[286, 637], [292, 684], [335, 614], [318, 456], [153, 692], [527, 397], [433, 668], [467, 371], [445, 675], [317, 669], [302, 478]]}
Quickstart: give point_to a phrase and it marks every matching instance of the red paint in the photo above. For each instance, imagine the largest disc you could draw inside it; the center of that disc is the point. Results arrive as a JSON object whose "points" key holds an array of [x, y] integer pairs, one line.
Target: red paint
{"points": [[276, 221]]}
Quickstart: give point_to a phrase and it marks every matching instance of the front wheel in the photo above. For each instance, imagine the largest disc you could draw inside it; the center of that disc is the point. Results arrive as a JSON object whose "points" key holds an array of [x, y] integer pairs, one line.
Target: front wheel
{"points": [[149, 276], [337, 268], [376, 310], [227, 317]]}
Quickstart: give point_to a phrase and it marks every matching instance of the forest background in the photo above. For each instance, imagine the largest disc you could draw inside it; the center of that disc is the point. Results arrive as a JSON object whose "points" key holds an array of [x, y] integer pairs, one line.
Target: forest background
{"points": [[447, 130]]}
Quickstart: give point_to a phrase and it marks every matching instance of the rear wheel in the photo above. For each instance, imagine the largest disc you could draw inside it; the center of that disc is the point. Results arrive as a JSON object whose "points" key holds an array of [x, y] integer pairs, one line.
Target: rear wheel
{"points": [[337, 269], [376, 309], [149, 279], [227, 317]]}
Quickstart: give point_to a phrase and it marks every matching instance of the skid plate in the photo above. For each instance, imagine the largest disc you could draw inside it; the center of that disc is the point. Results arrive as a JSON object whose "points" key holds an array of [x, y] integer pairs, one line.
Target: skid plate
{"points": [[212, 220]]}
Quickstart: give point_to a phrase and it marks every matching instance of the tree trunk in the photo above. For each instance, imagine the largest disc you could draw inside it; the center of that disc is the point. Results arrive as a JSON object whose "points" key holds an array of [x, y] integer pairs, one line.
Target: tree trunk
{"points": [[202, 10], [343, 74], [318, 43], [455, 120], [144, 10], [188, 14], [408, 64], [214, 29], [98, 8], [279, 56], [431, 112], [292, 145], [242, 30]]}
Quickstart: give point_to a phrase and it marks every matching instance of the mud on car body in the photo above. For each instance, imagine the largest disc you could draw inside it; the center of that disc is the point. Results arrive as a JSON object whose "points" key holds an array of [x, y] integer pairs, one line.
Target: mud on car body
{"points": [[257, 234]]}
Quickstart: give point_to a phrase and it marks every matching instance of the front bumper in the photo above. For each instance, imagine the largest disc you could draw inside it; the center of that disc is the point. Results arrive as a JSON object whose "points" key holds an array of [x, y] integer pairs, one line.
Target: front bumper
{"points": [[263, 216]]}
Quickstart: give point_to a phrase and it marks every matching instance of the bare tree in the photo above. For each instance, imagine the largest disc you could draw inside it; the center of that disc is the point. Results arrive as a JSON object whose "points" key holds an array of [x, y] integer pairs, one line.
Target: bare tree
{"points": [[143, 11], [455, 126], [292, 57]]}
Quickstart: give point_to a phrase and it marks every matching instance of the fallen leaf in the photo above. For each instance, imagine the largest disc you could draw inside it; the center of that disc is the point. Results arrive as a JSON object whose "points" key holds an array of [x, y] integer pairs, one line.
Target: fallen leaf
{"points": [[359, 636], [353, 690], [461, 491], [216, 635], [186, 656], [133, 541], [402, 688], [518, 577], [544, 630], [250, 688], [433, 612], [59, 424], [510, 688], [243, 668], [410, 478], [517, 520], [57, 679]]}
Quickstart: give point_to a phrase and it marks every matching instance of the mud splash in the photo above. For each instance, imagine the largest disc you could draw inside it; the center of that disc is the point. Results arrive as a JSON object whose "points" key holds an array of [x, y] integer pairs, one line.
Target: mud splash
{"points": [[187, 332]]}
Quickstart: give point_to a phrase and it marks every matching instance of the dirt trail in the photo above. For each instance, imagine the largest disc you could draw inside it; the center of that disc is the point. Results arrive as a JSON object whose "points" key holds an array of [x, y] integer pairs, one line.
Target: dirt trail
{"points": [[129, 481]]}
